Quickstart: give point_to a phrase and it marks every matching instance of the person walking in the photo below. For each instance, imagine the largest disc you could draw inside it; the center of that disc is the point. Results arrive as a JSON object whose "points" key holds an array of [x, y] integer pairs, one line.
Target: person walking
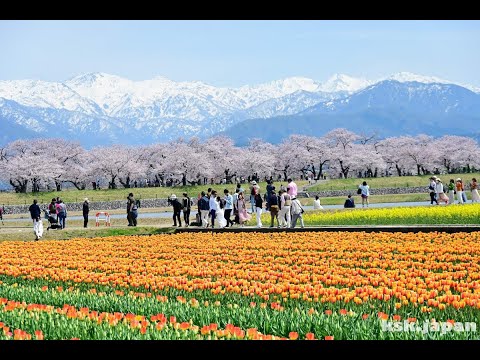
{"points": [[213, 206], [272, 203], [474, 190], [204, 206], [235, 208], [220, 213], [36, 215], [440, 192], [284, 215], [228, 207], [459, 188], [258, 209], [132, 210], [297, 211], [254, 190], [451, 191], [316, 203], [432, 187], [464, 193], [270, 187], [52, 213], [177, 209], [62, 213], [239, 188], [187, 206], [292, 188], [85, 211], [365, 193], [243, 214]]}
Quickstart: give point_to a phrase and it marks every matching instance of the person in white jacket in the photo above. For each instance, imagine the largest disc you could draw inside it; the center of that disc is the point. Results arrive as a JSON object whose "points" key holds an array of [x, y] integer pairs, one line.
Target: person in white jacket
{"points": [[222, 222], [297, 210], [440, 192], [284, 216], [365, 193], [213, 206], [316, 203]]}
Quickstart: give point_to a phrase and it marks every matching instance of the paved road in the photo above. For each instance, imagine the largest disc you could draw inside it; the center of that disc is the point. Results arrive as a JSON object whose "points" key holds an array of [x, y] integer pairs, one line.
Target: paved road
{"points": [[168, 214]]}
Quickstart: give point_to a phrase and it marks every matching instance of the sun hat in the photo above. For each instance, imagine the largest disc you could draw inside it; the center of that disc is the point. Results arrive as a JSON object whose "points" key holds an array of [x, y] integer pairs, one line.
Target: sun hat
{"points": [[458, 179], [86, 199], [254, 182], [173, 197]]}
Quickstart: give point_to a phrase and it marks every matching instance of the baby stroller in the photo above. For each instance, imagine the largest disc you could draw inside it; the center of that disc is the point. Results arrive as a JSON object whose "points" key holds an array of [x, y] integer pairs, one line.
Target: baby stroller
{"points": [[52, 220]]}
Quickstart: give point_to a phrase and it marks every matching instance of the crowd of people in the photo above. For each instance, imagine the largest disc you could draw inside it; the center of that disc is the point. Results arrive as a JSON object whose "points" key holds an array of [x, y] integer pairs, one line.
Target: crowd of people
{"points": [[55, 213], [440, 193], [216, 210]]}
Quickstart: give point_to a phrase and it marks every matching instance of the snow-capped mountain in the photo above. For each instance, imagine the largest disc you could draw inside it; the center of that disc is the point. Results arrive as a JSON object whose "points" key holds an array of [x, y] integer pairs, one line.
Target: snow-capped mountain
{"points": [[345, 83], [388, 108], [405, 76], [43, 94], [98, 108]]}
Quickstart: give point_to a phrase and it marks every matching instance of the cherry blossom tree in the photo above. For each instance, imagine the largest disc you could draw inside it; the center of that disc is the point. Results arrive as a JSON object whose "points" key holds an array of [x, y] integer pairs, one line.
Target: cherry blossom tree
{"points": [[420, 152], [118, 162], [393, 152], [341, 142], [155, 159], [27, 161], [258, 158], [49, 163], [68, 155], [454, 152], [366, 161], [187, 163], [223, 155]]}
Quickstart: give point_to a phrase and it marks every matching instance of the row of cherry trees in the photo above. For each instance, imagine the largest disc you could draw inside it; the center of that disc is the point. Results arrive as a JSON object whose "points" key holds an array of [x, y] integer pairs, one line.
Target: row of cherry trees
{"points": [[50, 163]]}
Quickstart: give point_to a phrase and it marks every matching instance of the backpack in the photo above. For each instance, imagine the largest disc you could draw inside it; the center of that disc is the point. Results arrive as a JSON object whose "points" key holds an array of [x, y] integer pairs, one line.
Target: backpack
{"points": [[431, 187], [203, 204], [359, 191], [187, 203]]}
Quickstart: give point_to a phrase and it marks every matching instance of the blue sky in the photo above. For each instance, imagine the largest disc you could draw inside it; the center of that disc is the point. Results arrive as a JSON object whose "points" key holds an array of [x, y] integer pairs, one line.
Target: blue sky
{"points": [[234, 52]]}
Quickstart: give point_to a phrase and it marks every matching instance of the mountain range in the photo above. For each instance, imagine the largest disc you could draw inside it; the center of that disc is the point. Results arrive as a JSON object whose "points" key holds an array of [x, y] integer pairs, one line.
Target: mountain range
{"points": [[102, 109]]}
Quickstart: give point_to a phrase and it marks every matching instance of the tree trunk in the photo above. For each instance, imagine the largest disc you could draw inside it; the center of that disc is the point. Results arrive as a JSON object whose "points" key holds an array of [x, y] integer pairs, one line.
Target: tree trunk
{"points": [[20, 186], [345, 170], [184, 180], [314, 172], [126, 183], [112, 184], [418, 169], [58, 185], [320, 171], [399, 170], [35, 185], [79, 185]]}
